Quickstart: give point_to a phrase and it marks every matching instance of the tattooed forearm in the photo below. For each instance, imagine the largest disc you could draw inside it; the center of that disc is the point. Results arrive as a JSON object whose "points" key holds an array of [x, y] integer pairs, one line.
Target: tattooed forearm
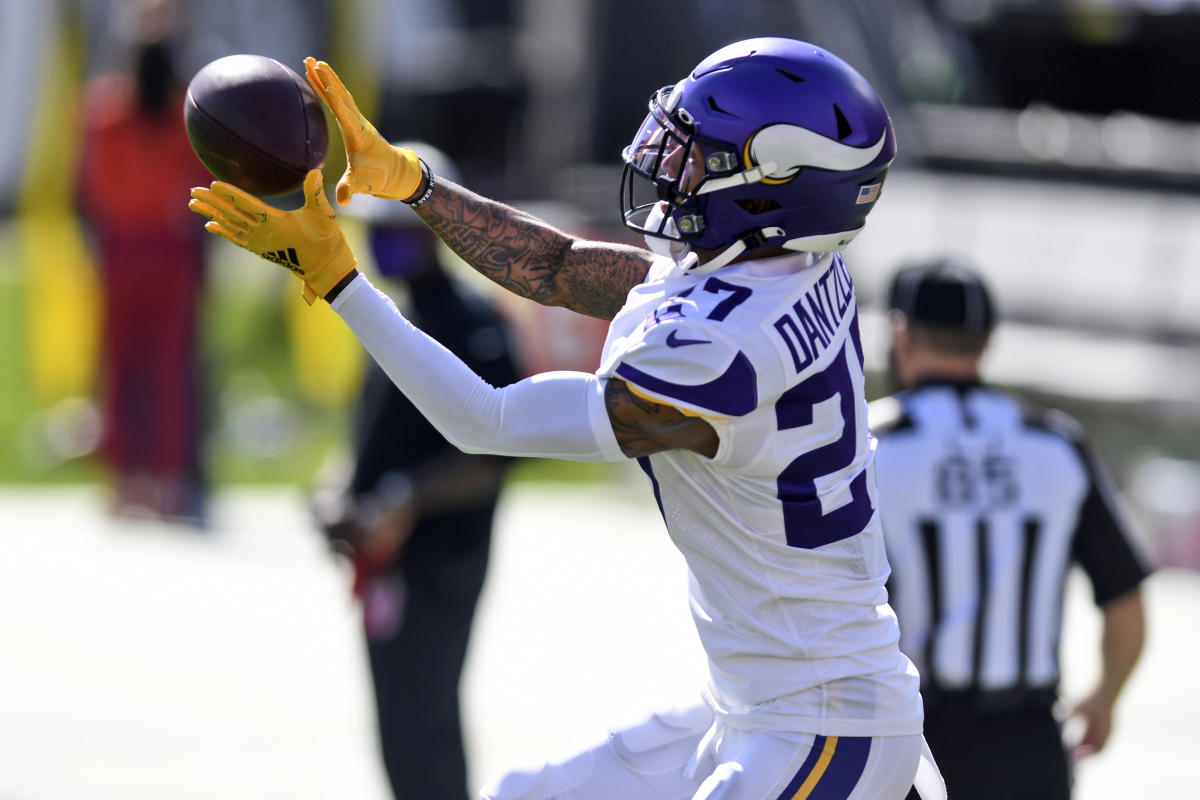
{"points": [[503, 244], [599, 276], [529, 257], [643, 427]]}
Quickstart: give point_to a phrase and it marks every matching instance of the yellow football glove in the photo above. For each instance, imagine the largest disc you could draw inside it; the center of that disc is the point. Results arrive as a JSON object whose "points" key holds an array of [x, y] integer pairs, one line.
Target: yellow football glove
{"points": [[372, 165], [308, 241]]}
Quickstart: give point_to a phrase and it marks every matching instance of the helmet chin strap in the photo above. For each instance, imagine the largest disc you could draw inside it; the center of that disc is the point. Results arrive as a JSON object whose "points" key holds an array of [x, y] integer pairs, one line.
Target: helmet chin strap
{"points": [[820, 243], [750, 241]]}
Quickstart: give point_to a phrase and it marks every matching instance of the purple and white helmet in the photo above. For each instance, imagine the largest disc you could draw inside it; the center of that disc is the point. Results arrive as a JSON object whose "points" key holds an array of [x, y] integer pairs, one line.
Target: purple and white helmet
{"points": [[767, 142]]}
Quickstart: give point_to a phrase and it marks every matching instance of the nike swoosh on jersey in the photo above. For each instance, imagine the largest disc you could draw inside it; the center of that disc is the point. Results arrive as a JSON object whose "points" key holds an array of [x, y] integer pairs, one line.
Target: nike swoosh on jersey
{"points": [[733, 393], [673, 340]]}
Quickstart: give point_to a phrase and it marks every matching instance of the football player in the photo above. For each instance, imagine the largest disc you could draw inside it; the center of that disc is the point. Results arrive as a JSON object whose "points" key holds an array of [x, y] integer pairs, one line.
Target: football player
{"points": [[732, 371]]}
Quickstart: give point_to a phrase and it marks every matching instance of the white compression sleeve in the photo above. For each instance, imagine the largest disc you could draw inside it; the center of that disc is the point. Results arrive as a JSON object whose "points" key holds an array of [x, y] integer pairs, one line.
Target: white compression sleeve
{"points": [[552, 415]]}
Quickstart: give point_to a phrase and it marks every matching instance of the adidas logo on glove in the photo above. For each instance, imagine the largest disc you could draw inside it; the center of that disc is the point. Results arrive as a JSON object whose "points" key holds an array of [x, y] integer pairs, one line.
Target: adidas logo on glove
{"points": [[286, 258]]}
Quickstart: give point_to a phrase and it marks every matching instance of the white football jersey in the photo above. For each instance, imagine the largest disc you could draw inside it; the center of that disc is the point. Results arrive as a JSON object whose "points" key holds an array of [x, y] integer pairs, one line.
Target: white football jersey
{"points": [[779, 531]]}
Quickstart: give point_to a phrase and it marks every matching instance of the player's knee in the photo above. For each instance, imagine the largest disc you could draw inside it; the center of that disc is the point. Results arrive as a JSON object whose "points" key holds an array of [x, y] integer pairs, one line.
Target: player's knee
{"points": [[722, 783], [660, 745], [545, 782], [664, 742], [518, 785]]}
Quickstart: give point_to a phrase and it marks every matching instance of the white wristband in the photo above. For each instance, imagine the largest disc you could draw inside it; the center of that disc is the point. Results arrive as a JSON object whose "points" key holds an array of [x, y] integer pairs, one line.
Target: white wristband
{"points": [[551, 415]]}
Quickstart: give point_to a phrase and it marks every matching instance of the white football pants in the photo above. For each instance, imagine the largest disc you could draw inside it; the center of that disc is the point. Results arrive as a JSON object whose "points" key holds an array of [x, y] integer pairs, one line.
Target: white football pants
{"points": [[685, 754]]}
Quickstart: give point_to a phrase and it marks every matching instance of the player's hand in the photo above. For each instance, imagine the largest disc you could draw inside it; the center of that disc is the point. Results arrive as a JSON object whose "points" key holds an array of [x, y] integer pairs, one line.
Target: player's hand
{"points": [[371, 531], [373, 165], [386, 530], [1096, 714], [307, 241], [387, 534]]}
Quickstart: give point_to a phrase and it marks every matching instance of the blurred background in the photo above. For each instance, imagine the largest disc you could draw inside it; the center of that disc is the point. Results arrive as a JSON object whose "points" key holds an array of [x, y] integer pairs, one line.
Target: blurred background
{"points": [[1056, 143]]}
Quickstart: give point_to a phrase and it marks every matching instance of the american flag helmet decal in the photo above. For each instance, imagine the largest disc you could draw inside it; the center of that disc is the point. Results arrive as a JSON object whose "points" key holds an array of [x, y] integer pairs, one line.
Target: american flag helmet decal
{"points": [[868, 194]]}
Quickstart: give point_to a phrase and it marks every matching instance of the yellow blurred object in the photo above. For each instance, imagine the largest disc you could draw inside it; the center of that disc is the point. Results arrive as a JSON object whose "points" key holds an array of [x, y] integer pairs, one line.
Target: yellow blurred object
{"points": [[327, 359], [62, 316], [63, 301]]}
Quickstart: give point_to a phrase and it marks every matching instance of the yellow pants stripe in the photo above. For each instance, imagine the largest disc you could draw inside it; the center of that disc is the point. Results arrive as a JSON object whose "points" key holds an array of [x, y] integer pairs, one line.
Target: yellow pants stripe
{"points": [[818, 770]]}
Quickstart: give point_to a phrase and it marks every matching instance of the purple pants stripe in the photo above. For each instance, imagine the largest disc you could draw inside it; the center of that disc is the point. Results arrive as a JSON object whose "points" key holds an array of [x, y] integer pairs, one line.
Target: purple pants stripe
{"points": [[831, 770]]}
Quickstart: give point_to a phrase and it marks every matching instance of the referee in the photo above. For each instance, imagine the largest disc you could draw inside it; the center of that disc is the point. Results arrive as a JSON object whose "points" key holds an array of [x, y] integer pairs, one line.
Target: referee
{"points": [[986, 502]]}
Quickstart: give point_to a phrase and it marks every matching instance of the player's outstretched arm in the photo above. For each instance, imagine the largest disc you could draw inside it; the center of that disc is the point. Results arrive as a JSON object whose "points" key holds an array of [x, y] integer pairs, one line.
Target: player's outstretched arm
{"points": [[569, 415], [523, 254], [550, 415], [531, 258]]}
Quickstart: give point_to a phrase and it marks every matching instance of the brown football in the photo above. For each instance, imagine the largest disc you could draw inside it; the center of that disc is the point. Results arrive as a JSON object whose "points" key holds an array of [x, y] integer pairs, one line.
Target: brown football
{"points": [[255, 123]]}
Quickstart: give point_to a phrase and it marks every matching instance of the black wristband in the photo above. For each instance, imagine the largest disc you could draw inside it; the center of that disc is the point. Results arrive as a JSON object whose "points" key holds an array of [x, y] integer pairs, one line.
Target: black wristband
{"points": [[428, 185], [332, 294]]}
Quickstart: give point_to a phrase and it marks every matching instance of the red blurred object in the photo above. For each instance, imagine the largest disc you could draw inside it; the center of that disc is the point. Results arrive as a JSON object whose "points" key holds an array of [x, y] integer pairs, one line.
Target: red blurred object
{"points": [[134, 178]]}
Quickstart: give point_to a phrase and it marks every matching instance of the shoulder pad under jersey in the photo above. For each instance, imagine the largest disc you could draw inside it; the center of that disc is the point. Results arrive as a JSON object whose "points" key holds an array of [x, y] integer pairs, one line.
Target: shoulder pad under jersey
{"points": [[690, 363]]}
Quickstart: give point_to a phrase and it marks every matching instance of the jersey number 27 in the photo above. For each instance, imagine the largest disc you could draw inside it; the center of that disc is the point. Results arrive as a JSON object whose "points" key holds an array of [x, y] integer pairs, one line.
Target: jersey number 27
{"points": [[805, 521]]}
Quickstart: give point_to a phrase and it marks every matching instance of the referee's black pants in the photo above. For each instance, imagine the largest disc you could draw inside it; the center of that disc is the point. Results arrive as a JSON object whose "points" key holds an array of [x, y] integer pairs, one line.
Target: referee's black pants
{"points": [[416, 669], [1015, 754]]}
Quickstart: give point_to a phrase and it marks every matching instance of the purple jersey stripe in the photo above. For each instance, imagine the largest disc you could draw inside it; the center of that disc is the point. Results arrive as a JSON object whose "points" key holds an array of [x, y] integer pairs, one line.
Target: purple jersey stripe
{"points": [[734, 393]]}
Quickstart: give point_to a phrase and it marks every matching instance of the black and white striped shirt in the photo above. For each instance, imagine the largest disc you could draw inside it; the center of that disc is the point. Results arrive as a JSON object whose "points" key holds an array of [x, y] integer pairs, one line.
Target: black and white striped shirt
{"points": [[986, 502]]}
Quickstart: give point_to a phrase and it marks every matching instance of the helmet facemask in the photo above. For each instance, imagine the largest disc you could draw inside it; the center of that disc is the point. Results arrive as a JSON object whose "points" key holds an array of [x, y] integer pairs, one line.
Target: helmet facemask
{"points": [[667, 168]]}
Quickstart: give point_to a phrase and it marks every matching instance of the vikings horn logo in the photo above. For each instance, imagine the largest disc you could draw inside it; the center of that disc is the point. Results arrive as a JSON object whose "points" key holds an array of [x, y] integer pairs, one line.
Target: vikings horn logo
{"points": [[790, 148]]}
